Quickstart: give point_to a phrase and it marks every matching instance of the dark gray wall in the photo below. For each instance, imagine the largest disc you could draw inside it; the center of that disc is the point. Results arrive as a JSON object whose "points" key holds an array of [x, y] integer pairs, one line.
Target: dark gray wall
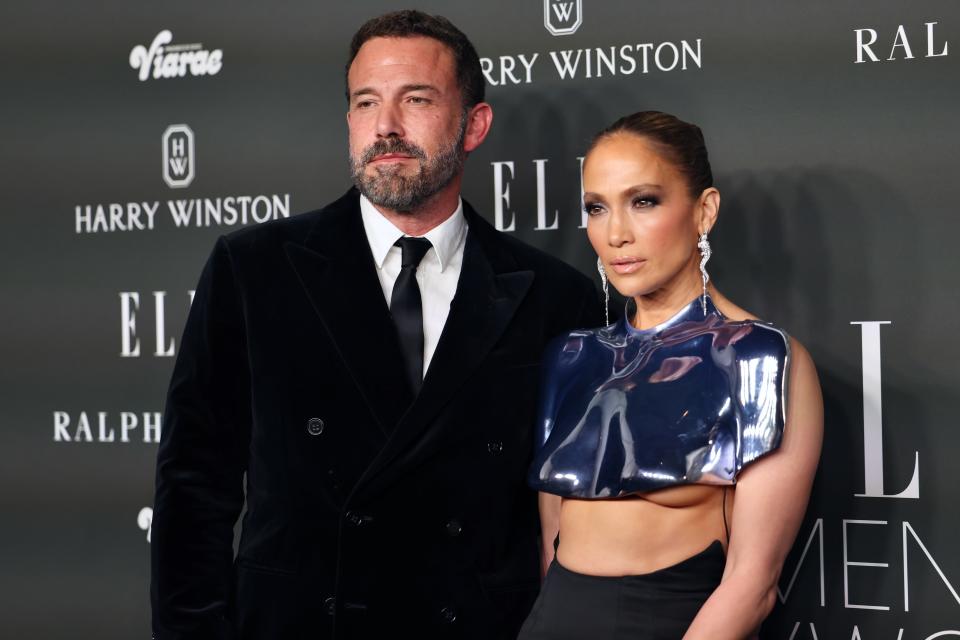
{"points": [[839, 206]]}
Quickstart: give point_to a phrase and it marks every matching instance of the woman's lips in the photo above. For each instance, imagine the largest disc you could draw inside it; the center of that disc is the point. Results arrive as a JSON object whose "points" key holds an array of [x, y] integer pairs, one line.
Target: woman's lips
{"points": [[624, 266]]}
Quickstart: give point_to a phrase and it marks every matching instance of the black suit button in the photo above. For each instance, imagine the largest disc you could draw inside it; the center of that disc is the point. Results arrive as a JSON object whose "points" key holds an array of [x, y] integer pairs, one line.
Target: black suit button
{"points": [[494, 447], [448, 615], [357, 519], [314, 426], [330, 605], [454, 528], [332, 475]]}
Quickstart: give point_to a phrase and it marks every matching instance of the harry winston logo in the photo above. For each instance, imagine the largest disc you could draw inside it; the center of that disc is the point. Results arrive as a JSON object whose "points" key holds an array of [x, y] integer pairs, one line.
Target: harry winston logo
{"points": [[562, 17], [179, 158]]}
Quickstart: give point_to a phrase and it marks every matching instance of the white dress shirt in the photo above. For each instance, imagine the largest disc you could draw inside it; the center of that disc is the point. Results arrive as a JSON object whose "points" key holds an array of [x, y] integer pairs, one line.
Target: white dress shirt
{"points": [[437, 274]]}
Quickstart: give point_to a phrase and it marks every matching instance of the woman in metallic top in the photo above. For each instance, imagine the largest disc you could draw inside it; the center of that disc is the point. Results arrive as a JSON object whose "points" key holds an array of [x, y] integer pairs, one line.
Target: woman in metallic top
{"points": [[678, 446]]}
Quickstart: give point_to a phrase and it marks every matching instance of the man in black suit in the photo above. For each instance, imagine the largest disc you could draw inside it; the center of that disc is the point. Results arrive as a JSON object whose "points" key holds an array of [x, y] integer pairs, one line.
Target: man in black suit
{"points": [[371, 404]]}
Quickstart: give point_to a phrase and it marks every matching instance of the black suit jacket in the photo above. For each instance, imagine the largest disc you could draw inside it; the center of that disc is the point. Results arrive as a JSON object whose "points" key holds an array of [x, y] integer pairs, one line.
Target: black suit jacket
{"points": [[368, 511]]}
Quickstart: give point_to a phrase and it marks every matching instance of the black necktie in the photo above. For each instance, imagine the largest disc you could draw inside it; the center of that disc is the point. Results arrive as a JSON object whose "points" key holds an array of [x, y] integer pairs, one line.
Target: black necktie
{"points": [[406, 307]]}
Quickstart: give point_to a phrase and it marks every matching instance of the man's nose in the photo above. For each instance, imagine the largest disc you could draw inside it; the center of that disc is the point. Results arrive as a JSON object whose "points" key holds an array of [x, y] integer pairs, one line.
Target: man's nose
{"points": [[389, 121]]}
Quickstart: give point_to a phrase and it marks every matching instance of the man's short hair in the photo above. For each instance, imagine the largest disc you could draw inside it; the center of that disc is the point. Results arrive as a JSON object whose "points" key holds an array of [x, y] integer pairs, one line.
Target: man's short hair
{"points": [[409, 24]]}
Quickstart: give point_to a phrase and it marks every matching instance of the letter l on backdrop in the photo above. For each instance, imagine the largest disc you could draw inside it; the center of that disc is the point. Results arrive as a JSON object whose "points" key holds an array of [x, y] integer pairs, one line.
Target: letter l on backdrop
{"points": [[873, 420]]}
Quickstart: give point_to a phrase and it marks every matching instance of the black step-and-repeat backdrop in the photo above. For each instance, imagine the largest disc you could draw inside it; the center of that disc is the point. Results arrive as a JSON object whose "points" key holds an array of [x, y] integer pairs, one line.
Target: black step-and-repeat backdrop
{"points": [[135, 133]]}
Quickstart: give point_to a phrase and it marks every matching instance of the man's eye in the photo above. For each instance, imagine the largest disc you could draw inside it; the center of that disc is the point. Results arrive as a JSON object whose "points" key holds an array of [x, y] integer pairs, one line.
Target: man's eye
{"points": [[418, 100]]}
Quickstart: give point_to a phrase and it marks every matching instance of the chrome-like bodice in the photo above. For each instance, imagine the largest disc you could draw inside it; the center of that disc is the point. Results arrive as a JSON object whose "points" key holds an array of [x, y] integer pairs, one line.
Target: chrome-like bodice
{"points": [[692, 400]]}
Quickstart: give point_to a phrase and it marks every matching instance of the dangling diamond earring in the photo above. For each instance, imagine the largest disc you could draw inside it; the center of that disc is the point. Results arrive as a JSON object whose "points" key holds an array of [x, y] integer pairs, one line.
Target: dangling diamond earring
{"points": [[705, 253], [606, 290]]}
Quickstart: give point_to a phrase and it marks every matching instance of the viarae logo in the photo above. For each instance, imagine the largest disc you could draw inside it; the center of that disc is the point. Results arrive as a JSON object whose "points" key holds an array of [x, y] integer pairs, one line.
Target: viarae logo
{"points": [[179, 156], [174, 61], [562, 17]]}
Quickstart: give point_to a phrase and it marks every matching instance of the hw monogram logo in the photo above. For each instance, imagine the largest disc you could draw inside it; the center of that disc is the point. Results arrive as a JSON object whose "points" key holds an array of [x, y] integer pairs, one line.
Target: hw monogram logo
{"points": [[562, 17], [178, 156]]}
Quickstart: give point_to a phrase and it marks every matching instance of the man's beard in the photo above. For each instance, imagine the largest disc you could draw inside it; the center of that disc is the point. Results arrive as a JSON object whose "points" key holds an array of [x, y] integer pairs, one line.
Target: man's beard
{"points": [[390, 189]]}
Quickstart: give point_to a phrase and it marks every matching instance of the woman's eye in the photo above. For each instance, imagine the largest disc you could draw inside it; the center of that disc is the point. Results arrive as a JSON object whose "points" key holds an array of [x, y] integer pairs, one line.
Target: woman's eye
{"points": [[592, 209], [644, 202]]}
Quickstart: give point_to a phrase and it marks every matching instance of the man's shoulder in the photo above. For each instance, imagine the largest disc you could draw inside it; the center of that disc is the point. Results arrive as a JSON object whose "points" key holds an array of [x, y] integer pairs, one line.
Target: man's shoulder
{"points": [[547, 265], [273, 235], [281, 230], [528, 257]]}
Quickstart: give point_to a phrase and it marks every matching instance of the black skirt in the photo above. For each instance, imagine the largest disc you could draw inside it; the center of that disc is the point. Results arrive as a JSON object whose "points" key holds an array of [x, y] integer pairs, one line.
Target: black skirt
{"points": [[652, 606]]}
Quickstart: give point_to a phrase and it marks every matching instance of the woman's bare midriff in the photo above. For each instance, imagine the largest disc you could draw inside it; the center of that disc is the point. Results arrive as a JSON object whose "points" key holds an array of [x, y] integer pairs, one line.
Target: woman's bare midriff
{"points": [[643, 533]]}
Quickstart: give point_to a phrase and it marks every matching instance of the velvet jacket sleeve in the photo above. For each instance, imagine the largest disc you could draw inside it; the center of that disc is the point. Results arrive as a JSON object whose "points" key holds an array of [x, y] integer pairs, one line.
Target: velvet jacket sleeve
{"points": [[201, 464]]}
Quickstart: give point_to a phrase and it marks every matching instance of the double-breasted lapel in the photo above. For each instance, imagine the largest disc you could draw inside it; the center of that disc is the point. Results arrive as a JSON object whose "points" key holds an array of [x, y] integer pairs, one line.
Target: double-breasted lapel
{"points": [[336, 269], [490, 289]]}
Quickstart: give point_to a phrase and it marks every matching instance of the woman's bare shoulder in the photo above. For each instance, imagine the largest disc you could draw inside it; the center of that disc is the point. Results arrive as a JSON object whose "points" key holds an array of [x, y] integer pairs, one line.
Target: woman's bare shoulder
{"points": [[729, 309]]}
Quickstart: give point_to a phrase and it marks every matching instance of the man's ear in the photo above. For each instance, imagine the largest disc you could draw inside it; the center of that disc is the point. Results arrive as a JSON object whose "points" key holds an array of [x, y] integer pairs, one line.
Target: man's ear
{"points": [[479, 119]]}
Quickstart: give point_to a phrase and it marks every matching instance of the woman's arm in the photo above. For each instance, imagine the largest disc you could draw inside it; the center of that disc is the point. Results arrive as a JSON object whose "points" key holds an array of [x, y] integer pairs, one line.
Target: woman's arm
{"points": [[771, 498], [549, 528]]}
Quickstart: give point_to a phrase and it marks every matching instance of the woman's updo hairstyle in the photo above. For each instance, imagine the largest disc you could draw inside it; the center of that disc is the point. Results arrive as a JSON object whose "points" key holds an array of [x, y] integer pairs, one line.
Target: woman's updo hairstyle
{"points": [[680, 142]]}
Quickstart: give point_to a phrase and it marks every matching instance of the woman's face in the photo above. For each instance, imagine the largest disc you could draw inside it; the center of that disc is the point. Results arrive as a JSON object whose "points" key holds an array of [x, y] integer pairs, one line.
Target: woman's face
{"points": [[643, 222]]}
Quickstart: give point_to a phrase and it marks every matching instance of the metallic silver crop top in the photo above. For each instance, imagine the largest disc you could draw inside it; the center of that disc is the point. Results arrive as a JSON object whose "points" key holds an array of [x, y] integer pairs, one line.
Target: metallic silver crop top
{"points": [[692, 400]]}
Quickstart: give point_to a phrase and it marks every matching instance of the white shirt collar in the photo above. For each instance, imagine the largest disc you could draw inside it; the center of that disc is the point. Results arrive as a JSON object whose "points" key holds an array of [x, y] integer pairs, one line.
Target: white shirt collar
{"points": [[381, 233]]}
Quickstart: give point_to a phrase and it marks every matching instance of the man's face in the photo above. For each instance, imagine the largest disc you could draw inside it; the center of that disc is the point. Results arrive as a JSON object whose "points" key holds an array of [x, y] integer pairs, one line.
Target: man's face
{"points": [[406, 121]]}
